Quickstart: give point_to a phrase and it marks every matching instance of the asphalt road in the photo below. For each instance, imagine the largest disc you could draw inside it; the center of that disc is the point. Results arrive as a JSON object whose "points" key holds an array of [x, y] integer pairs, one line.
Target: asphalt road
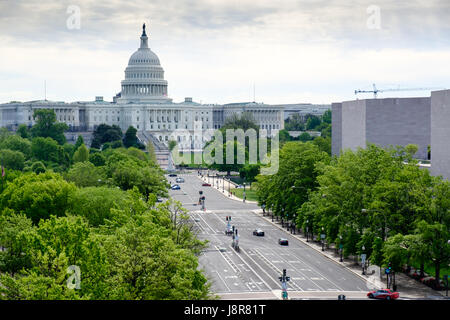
{"points": [[253, 272]]}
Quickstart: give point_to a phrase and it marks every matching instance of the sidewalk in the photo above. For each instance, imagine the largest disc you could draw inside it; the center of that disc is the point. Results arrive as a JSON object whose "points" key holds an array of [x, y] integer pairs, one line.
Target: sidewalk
{"points": [[406, 286], [225, 192]]}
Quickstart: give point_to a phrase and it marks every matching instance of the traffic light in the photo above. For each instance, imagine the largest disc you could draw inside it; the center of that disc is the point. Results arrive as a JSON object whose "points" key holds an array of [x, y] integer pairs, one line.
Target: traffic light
{"points": [[284, 277]]}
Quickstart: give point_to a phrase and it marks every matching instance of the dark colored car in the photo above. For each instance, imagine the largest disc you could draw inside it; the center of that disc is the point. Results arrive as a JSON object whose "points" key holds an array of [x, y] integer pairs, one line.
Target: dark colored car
{"points": [[283, 242], [172, 175], [206, 185], [176, 187], [386, 294], [258, 232]]}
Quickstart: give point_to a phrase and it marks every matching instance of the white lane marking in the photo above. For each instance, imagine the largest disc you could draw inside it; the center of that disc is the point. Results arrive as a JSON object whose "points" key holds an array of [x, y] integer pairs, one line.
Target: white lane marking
{"points": [[320, 274], [228, 288], [268, 287]]}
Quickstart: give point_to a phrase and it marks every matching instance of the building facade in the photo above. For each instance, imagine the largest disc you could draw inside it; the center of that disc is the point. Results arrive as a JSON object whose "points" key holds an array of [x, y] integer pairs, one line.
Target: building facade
{"points": [[143, 103], [440, 133], [384, 122]]}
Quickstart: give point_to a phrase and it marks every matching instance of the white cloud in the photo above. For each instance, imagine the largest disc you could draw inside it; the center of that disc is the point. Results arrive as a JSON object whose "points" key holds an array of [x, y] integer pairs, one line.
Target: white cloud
{"points": [[294, 51]]}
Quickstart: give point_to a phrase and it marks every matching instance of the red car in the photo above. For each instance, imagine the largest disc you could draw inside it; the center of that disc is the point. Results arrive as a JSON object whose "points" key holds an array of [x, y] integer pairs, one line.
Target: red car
{"points": [[206, 185], [386, 294]]}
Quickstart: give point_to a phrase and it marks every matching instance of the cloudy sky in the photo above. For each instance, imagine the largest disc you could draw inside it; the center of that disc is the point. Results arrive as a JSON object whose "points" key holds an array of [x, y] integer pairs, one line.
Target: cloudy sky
{"points": [[219, 51]]}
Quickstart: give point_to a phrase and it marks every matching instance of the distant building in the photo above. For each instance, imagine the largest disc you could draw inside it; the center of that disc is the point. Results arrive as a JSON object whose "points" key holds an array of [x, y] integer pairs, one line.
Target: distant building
{"points": [[384, 122], [440, 133], [143, 103], [303, 109]]}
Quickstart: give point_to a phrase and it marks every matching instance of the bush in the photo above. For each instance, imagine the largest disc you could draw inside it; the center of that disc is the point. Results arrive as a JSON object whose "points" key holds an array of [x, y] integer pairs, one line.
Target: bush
{"points": [[12, 159]]}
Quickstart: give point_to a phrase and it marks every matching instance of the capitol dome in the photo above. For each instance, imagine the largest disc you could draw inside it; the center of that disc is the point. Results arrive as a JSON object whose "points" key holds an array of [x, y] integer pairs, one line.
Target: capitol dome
{"points": [[144, 76]]}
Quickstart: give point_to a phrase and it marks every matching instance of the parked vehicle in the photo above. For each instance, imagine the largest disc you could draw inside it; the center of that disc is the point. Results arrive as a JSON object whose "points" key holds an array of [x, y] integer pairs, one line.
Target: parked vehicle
{"points": [[386, 294]]}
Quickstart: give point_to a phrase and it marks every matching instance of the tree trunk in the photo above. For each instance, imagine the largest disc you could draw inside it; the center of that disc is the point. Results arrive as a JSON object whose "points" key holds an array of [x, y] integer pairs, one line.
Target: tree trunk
{"points": [[437, 268]]}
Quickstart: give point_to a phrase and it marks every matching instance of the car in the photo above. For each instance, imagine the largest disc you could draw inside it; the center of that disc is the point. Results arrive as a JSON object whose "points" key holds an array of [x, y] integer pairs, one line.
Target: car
{"points": [[283, 242], [172, 175], [175, 187], [206, 184], [386, 294], [159, 200], [258, 232], [179, 180]]}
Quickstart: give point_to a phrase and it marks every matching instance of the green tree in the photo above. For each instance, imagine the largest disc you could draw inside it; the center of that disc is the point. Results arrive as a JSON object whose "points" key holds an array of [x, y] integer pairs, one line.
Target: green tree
{"points": [[98, 159], [304, 137], [17, 143], [79, 142], [47, 149], [130, 139], [12, 159], [81, 155], [13, 236], [23, 131], [46, 126], [85, 174], [95, 203], [294, 123], [313, 122], [37, 196]]}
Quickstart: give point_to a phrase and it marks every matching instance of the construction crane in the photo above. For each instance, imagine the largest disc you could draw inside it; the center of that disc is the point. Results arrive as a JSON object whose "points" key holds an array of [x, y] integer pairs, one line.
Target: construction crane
{"points": [[375, 91]]}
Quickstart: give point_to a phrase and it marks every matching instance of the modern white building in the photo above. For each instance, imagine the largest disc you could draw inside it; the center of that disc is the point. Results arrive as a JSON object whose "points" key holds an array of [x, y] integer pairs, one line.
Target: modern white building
{"points": [[143, 103]]}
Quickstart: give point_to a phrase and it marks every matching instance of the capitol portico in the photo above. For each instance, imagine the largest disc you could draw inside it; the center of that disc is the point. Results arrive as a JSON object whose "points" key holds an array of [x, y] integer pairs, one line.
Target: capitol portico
{"points": [[143, 103]]}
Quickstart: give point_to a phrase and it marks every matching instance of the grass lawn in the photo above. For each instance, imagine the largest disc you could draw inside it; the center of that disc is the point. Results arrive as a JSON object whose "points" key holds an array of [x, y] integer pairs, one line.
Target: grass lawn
{"points": [[250, 194]]}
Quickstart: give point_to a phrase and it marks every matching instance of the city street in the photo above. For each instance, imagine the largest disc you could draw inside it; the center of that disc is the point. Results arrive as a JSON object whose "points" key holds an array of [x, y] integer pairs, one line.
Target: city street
{"points": [[253, 272]]}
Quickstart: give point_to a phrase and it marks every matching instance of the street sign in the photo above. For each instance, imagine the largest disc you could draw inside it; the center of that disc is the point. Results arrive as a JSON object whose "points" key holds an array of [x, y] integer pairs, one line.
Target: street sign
{"points": [[387, 270], [363, 258], [322, 236]]}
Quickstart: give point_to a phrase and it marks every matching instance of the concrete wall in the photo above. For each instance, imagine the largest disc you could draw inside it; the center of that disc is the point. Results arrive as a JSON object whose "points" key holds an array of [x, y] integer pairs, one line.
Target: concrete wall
{"points": [[384, 122], [336, 128], [399, 121], [353, 124], [440, 133]]}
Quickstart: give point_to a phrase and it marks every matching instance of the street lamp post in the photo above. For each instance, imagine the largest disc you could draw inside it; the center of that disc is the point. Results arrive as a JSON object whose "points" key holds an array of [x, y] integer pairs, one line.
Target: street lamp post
{"points": [[340, 247], [363, 260], [322, 236], [244, 194], [307, 221], [293, 223]]}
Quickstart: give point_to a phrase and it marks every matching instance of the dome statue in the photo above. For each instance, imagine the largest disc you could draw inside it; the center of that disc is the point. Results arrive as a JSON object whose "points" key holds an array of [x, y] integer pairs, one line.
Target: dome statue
{"points": [[144, 76]]}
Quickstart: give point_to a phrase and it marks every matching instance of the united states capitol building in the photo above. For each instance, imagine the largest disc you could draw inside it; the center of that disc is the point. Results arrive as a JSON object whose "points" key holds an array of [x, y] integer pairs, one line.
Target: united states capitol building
{"points": [[143, 102]]}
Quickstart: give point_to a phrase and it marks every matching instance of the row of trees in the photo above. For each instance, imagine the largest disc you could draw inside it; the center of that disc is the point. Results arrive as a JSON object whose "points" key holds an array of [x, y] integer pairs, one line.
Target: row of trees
{"points": [[374, 198], [97, 212], [245, 121], [106, 136]]}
